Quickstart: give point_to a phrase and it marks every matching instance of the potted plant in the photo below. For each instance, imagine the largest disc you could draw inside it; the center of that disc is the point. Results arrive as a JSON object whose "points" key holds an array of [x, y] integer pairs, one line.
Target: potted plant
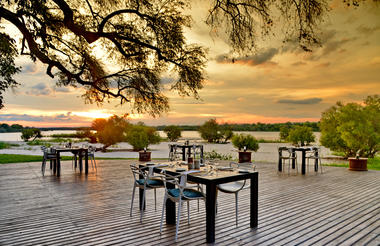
{"points": [[244, 142], [140, 137], [357, 163]]}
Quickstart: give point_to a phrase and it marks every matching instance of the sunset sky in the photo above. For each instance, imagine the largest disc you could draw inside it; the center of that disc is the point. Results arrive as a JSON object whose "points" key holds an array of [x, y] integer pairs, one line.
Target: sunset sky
{"points": [[277, 84]]}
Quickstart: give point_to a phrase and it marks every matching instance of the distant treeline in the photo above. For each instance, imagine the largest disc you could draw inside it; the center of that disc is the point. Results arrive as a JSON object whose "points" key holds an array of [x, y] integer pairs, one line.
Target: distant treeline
{"points": [[262, 127], [18, 128]]}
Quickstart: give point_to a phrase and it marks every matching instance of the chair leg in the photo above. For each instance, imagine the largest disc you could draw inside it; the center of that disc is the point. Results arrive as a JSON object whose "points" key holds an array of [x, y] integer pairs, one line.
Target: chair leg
{"points": [[178, 219], [188, 212], [143, 204], [236, 207], [43, 167], [163, 212], [133, 197], [155, 206]]}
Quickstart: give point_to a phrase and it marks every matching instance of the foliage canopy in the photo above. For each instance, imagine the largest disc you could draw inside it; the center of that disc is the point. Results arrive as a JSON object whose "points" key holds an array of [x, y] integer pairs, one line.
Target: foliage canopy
{"points": [[143, 40], [352, 128], [173, 132], [246, 141]]}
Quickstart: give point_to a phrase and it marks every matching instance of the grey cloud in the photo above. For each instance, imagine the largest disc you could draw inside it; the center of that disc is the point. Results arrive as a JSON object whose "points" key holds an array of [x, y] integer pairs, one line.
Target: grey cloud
{"points": [[32, 118], [167, 80], [252, 60], [39, 89], [367, 30], [62, 89], [30, 68], [303, 101], [296, 64]]}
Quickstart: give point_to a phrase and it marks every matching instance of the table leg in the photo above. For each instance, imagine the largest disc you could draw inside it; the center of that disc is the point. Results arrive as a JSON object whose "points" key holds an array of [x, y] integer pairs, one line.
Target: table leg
{"points": [[58, 164], [303, 161], [183, 154], [86, 161], [80, 161], [280, 160], [254, 200], [170, 208], [210, 212]]}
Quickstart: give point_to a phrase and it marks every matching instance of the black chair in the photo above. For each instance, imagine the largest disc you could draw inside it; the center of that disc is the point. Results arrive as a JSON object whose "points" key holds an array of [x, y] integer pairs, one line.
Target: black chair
{"points": [[49, 154], [315, 155]]}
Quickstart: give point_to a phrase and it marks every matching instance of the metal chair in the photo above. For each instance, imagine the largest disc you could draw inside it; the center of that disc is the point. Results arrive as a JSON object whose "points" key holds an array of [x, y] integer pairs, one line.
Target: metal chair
{"points": [[290, 156], [147, 181], [179, 194], [314, 154], [49, 154], [234, 188], [91, 156]]}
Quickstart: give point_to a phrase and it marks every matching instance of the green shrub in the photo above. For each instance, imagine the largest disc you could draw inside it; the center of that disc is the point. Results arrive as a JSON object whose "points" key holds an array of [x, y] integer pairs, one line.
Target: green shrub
{"points": [[214, 133], [141, 136], [29, 133], [215, 155], [352, 128], [173, 132], [243, 140], [301, 135]]}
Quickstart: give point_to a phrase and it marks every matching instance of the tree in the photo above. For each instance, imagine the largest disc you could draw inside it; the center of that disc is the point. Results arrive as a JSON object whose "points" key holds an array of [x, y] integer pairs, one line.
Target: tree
{"points": [[143, 39], [141, 136], [301, 135], [352, 128], [210, 131], [113, 130], [29, 133], [284, 132], [226, 133], [173, 132]]}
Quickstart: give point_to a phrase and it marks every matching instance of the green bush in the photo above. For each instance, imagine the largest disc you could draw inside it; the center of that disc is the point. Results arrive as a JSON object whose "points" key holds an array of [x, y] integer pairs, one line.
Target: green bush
{"points": [[301, 135], [243, 140], [214, 133], [352, 128], [110, 131], [215, 155], [141, 136], [173, 132], [29, 133]]}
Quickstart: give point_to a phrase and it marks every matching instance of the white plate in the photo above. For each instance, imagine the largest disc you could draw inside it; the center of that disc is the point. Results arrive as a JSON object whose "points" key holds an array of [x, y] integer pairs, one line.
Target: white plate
{"points": [[243, 171]]}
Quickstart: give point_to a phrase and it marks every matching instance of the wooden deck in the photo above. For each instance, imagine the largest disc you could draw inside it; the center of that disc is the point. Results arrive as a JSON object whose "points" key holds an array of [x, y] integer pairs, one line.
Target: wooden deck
{"points": [[339, 207]]}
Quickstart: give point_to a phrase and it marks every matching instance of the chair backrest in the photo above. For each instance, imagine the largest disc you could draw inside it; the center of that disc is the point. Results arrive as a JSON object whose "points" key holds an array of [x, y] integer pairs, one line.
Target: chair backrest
{"points": [[179, 182], [91, 149]]}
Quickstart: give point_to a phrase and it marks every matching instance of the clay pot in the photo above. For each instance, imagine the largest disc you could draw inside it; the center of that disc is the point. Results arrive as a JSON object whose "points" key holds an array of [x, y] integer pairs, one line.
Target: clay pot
{"points": [[357, 164], [144, 156], [244, 156]]}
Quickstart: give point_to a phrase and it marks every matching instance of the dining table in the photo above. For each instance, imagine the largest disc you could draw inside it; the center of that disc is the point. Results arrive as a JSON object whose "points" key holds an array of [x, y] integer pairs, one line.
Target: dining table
{"points": [[303, 150], [79, 151], [211, 180]]}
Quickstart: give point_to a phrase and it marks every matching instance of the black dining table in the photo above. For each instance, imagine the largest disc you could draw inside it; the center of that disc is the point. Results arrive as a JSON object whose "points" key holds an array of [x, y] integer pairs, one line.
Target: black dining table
{"points": [[303, 150], [81, 152], [211, 182]]}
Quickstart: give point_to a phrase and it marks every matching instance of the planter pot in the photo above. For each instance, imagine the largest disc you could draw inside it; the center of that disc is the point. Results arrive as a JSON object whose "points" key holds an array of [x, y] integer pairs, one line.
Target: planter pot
{"points": [[244, 156], [357, 164], [144, 156]]}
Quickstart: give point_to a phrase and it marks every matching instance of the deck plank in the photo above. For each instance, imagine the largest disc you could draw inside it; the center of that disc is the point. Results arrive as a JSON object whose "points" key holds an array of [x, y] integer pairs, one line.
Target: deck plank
{"points": [[336, 207]]}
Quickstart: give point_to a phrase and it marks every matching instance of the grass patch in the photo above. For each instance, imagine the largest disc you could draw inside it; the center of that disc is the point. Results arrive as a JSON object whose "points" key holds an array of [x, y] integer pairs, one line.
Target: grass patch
{"points": [[372, 164], [11, 158], [4, 145]]}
